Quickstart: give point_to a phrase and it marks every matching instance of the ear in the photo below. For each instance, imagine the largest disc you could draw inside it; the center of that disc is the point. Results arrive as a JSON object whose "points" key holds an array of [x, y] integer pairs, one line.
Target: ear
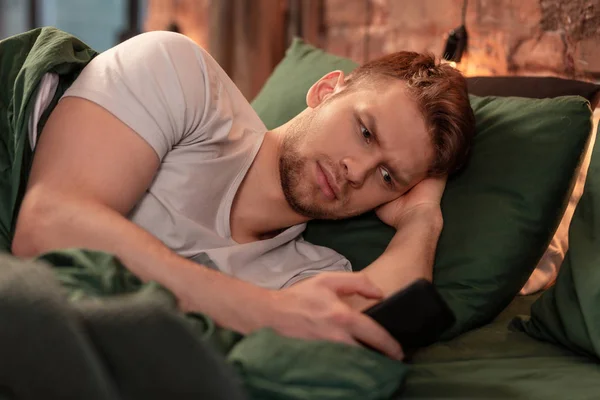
{"points": [[331, 83]]}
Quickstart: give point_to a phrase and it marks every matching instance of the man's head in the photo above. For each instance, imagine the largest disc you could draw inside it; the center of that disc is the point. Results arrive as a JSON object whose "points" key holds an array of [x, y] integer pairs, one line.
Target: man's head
{"points": [[366, 139]]}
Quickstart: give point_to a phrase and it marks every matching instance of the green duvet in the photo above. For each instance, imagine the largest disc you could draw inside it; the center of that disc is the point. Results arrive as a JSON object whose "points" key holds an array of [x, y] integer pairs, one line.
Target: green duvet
{"points": [[494, 361]]}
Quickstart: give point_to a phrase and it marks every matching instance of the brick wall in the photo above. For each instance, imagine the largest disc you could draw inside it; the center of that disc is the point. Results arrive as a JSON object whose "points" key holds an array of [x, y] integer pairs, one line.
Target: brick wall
{"points": [[522, 37]]}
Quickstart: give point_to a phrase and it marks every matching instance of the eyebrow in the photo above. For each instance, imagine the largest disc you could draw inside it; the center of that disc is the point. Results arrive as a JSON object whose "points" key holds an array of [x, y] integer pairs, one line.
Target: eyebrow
{"points": [[371, 123]]}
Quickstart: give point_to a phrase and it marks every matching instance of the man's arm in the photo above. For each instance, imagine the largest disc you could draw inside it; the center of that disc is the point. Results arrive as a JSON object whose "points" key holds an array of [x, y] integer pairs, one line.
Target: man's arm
{"points": [[90, 169], [88, 172], [410, 255]]}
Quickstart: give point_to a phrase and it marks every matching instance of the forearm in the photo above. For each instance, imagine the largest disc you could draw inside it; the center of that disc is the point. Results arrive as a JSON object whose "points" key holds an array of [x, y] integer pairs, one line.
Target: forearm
{"points": [[311, 310], [85, 224], [409, 256]]}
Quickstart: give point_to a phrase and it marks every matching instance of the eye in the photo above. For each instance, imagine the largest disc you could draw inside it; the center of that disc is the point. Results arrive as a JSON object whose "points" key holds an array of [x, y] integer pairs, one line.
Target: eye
{"points": [[366, 134], [387, 178]]}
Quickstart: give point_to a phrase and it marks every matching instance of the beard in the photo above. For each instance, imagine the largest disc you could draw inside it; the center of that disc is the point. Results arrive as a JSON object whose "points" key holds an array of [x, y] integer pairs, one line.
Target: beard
{"points": [[300, 193]]}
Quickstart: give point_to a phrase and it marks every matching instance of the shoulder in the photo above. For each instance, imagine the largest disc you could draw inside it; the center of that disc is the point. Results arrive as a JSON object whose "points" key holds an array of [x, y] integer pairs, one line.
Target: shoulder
{"points": [[193, 66], [157, 51], [154, 43], [155, 82]]}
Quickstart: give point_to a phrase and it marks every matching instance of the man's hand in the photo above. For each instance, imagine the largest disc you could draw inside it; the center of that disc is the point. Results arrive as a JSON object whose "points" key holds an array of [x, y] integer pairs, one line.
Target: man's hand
{"points": [[427, 193], [313, 309]]}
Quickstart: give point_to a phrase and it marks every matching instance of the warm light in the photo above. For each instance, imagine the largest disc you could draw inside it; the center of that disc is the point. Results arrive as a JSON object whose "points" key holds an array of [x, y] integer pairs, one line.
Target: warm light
{"points": [[453, 64]]}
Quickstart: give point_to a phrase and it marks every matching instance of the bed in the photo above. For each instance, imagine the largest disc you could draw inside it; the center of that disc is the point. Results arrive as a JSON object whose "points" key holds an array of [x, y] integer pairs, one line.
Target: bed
{"points": [[94, 339]]}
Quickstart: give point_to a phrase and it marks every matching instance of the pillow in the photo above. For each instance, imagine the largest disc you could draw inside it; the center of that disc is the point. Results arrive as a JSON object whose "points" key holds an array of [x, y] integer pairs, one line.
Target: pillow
{"points": [[545, 272], [500, 212], [568, 312], [283, 96]]}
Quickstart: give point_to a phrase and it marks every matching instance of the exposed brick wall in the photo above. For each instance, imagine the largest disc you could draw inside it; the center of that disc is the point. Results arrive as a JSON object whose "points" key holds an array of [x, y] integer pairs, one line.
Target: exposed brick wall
{"points": [[549, 37]]}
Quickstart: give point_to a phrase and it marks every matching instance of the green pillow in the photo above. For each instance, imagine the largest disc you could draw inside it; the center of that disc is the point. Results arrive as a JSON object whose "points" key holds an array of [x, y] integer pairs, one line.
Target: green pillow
{"points": [[500, 212], [284, 93], [569, 312]]}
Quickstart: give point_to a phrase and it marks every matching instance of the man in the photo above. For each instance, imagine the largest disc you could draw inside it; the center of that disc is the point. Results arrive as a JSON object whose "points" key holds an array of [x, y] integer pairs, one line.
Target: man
{"points": [[155, 156]]}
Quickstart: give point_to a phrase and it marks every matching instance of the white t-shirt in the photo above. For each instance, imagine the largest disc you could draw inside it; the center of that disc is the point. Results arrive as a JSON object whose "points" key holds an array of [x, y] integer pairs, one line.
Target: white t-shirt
{"points": [[46, 91], [179, 100]]}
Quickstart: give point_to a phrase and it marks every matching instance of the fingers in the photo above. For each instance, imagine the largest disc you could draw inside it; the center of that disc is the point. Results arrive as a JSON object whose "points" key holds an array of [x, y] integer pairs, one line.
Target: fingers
{"points": [[350, 283], [337, 321], [352, 327], [365, 330], [362, 328]]}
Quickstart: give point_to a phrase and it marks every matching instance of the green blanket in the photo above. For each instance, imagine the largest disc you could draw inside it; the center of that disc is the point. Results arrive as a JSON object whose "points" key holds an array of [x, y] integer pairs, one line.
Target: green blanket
{"points": [[24, 59], [271, 366]]}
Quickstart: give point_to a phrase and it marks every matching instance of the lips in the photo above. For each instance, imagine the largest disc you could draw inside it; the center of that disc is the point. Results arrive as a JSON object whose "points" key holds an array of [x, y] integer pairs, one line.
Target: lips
{"points": [[327, 183]]}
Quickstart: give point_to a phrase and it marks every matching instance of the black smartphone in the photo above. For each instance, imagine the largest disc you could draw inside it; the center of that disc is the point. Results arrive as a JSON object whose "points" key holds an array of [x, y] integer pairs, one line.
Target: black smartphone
{"points": [[415, 316]]}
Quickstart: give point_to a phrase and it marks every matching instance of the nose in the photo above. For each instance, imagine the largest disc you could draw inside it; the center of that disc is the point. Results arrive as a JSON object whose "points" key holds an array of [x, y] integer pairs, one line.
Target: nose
{"points": [[356, 170]]}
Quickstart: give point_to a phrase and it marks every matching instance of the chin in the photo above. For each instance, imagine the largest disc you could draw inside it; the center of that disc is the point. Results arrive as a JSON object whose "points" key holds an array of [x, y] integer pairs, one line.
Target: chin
{"points": [[310, 209], [318, 209]]}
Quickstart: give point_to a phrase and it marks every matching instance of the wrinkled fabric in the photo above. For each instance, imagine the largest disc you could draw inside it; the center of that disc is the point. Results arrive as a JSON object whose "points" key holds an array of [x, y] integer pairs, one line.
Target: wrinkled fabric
{"points": [[78, 310], [568, 313], [24, 60], [279, 368], [546, 271], [64, 343]]}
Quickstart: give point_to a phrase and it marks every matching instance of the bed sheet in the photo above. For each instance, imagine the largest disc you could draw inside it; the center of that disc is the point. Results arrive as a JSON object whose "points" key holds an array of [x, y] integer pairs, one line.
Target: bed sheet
{"points": [[500, 362]]}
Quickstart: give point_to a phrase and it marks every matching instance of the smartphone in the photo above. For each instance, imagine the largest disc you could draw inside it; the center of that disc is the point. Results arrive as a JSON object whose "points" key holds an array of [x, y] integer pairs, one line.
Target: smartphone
{"points": [[415, 316]]}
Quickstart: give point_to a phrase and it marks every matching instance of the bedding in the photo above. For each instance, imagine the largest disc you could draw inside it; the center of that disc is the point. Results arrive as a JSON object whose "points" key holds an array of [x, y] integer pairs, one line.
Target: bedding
{"points": [[545, 273], [118, 342], [500, 212], [498, 361], [113, 321], [81, 313], [568, 313], [24, 60], [92, 311]]}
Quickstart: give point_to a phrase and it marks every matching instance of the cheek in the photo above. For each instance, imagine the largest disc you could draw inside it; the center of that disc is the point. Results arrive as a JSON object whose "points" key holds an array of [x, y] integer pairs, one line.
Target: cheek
{"points": [[332, 132]]}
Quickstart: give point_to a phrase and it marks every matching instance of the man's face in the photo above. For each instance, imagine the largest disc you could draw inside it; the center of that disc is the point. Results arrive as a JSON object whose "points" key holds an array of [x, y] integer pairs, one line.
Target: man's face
{"points": [[354, 152]]}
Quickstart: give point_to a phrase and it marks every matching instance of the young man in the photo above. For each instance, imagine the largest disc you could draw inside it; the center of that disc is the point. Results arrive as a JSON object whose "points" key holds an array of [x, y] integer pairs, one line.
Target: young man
{"points": [[155, 156]]}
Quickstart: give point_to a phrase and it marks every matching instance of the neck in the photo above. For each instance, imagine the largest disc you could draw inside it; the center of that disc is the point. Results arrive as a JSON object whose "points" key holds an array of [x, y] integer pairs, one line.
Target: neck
{"points": [[260, 209]]}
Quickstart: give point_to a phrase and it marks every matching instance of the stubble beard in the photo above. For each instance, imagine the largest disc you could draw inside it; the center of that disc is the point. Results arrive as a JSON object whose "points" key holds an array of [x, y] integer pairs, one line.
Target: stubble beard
{"points": [[299, 193]]}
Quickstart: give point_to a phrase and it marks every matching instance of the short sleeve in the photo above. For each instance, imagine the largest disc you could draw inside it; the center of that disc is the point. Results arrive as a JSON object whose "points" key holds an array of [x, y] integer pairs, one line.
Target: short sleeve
{"points": [[156, 83]]}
